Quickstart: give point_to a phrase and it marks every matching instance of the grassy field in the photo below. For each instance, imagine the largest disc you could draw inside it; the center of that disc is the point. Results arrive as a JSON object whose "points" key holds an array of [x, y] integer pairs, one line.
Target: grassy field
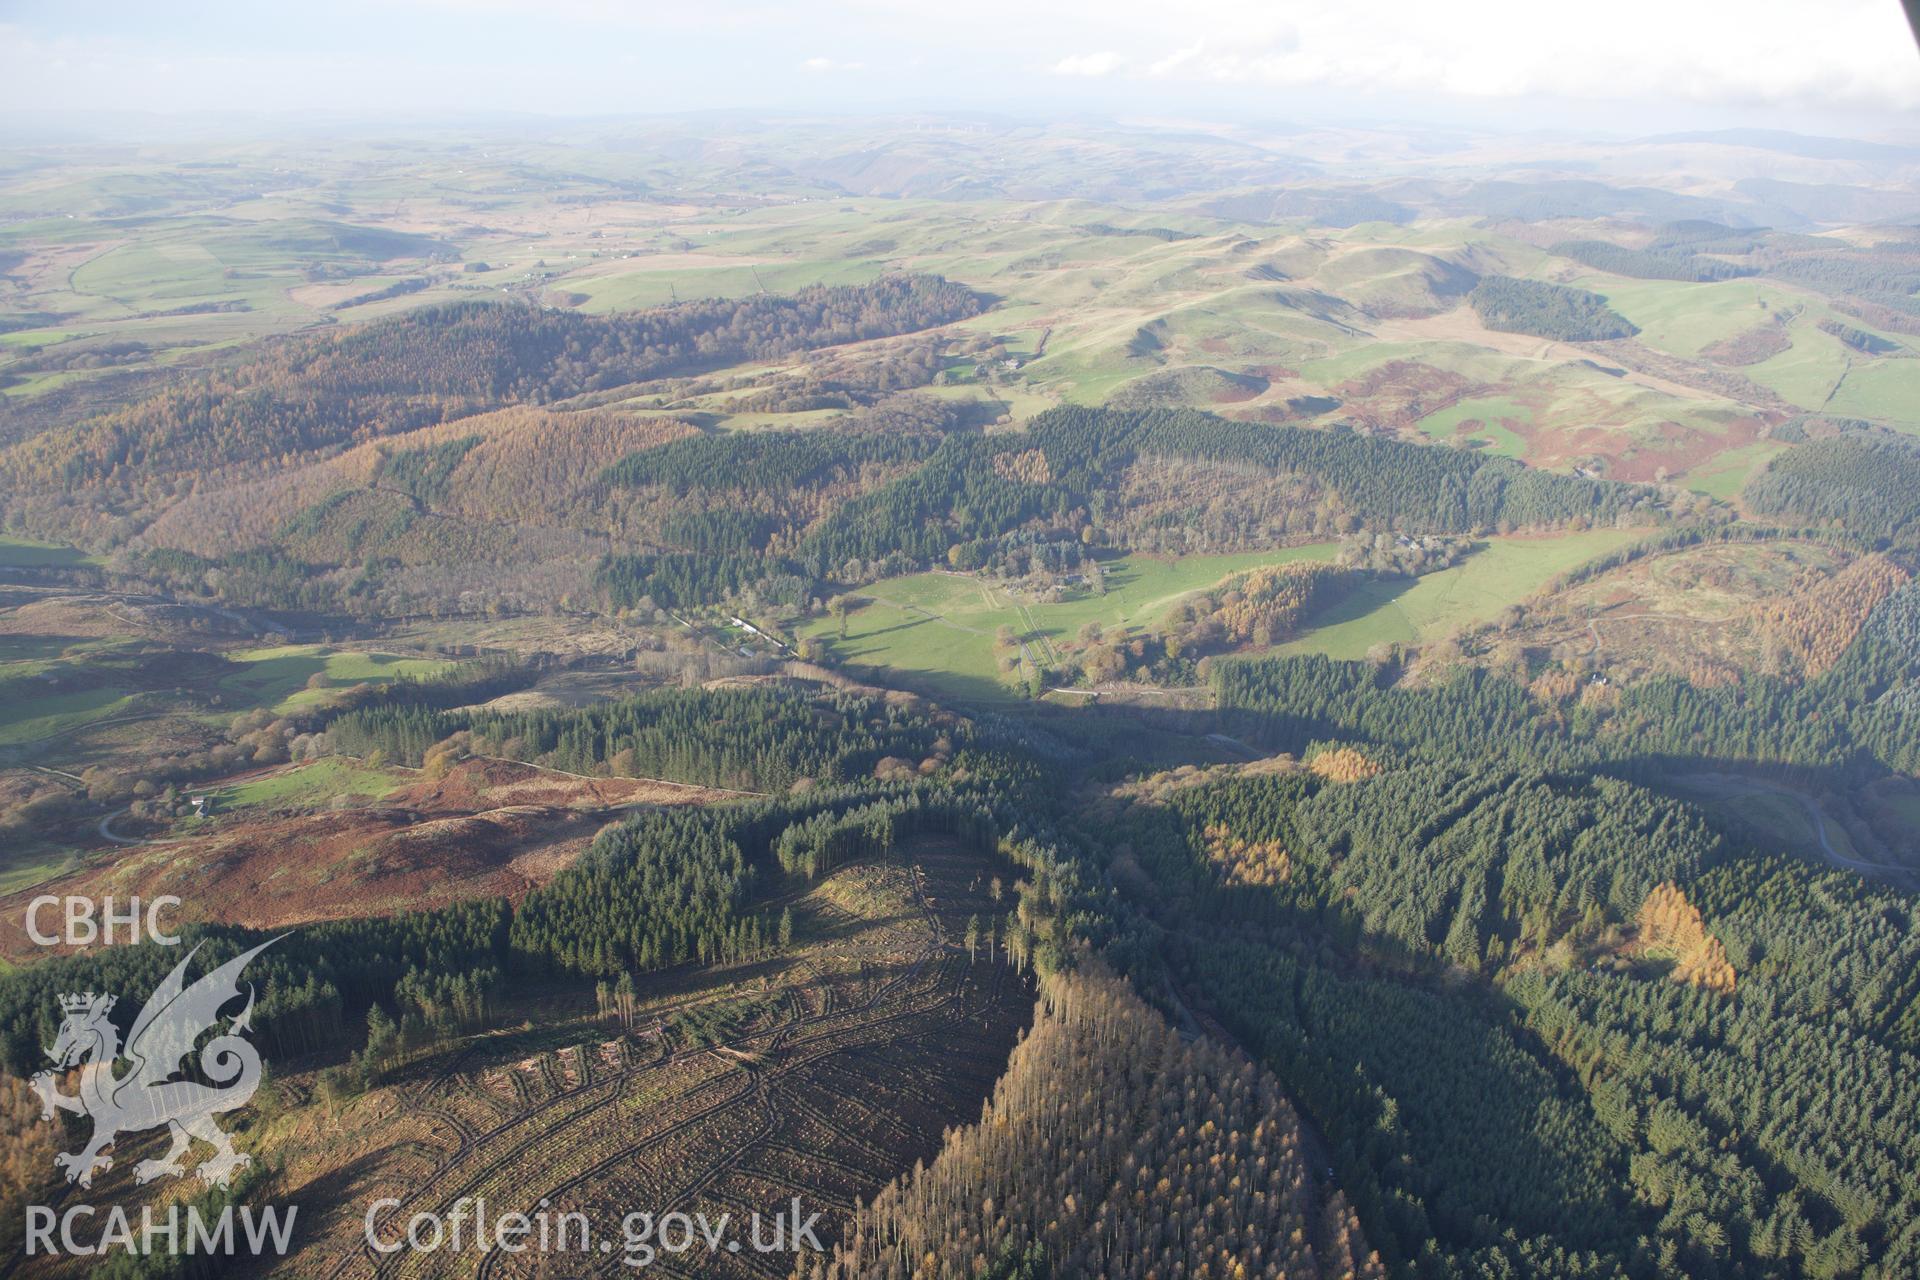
{"points": [[34, 719], [277, 677], [608, 288], [25, 553], [938, 628], [1682, 317], [1887, 389], [1502, 572], [1817, 372], [1807, 373], [309, 786], [1490, 433], [23, 657], [30, 862], [1727, 475]]}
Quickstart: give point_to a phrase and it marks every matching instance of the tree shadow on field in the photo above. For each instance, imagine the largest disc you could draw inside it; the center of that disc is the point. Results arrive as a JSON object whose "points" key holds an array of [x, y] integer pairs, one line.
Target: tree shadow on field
{"points": [[1359, 602]]}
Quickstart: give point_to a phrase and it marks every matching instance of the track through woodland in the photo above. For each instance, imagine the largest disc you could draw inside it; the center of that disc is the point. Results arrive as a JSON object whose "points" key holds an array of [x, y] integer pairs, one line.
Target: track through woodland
{"points": [[846, 1067]]}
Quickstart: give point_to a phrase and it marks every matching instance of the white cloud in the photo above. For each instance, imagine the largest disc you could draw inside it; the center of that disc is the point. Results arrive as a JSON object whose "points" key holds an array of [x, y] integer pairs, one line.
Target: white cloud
{"points": [[1790, 57], [1855, 53], [1847, 54], [1104, 63]]}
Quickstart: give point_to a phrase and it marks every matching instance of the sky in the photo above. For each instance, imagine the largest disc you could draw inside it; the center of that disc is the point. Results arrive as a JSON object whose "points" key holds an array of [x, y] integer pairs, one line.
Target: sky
{"points": [[1627, 66]]}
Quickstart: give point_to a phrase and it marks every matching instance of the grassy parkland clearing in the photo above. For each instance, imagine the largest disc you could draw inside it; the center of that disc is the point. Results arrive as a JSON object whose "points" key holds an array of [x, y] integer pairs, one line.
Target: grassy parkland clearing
{"points": [[1504, 571], [939, 627], [277, 677]]}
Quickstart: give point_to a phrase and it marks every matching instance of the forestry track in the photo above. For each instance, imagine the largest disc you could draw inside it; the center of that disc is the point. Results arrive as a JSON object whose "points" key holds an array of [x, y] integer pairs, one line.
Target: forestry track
{"points": [[843, 1067]]}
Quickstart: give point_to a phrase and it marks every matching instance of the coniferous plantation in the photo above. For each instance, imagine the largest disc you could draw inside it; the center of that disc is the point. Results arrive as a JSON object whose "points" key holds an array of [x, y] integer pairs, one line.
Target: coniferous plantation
{"points": [[1648, 264], [1863, 483], [1551, 310], [989, 696]]}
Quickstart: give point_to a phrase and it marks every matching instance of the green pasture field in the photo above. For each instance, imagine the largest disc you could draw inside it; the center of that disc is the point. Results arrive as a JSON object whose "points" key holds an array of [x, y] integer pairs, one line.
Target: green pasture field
{"points": [[1015, 401], [137, 270], [1806, 374], [940, 627], [632, 290], [1726, 475], [309, 786], [1504, 571], [1351, 363], [33, 719], [31, 862], [1886, 388], [212, 259], [1093, 381], [1445, 425], [778, 421], [1681, 317], [277, 677], [1251, 323], [40, 337], [1817, 372], [34, 383], [26, 553], [33, 654], [23, 657]]}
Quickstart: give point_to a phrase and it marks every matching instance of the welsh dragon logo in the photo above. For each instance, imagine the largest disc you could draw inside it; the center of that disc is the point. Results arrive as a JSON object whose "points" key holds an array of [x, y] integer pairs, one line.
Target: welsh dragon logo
{"points": [[146, 1095]]}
